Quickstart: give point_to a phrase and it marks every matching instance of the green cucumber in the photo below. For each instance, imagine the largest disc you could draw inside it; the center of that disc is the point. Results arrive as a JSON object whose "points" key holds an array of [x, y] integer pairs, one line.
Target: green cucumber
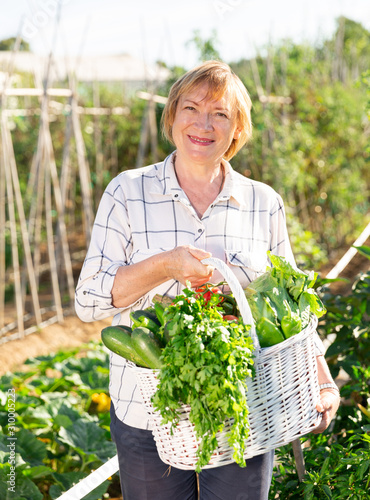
{"points": [[147, 347], [118, 340]]}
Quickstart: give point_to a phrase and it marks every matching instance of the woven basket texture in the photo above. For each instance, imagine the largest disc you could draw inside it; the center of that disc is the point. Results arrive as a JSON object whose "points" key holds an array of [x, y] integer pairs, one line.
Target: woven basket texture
{"points": [[281, 398]]}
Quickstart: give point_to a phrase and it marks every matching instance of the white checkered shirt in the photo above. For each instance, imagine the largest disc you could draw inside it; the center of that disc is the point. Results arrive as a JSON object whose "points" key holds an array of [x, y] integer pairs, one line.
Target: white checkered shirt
{"points": [[143, 212]]}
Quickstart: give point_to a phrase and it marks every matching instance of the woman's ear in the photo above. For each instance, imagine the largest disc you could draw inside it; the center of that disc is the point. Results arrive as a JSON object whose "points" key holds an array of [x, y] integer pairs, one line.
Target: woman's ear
{"points": [[237, 133]]}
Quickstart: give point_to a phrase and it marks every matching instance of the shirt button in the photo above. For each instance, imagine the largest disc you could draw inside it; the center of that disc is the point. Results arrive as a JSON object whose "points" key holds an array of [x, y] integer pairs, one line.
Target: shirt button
{"points": [[176, 195], [200, 230]]}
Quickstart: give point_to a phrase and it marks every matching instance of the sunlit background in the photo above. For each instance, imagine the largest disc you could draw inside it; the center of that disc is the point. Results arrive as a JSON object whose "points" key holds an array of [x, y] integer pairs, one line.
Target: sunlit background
{"points": [[160, 30]]}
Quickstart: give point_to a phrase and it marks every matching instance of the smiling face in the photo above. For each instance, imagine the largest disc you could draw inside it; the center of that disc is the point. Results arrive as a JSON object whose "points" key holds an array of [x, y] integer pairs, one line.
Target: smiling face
{"points": [[203, 127]]}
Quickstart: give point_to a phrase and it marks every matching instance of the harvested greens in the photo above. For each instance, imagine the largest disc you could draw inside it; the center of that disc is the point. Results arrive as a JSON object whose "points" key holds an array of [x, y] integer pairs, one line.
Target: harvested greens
{"points": [[282, 301], [205, 365]]}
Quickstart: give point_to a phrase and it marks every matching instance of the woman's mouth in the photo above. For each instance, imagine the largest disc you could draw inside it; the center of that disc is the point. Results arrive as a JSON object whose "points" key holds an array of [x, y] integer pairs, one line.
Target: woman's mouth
{"points": [[200, 140]]}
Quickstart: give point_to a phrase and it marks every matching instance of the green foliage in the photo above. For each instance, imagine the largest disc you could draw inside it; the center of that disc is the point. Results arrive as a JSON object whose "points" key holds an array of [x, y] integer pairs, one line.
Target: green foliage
{"points": [[312, 150], [205, 365], [333, 470], [206, 47], [349, 318], [61, 433], [8, 44], [307, 251], [338, 461]]}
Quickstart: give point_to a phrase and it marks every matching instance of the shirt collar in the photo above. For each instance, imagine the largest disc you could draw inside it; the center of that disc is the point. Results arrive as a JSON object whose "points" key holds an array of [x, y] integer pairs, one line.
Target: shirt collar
{"points": [[166, 180], [168, 185], [232, 185]]}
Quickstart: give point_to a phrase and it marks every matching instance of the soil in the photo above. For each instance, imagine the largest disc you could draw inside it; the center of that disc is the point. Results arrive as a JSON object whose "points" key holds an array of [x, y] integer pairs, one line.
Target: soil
{"points": [[69, 334]]}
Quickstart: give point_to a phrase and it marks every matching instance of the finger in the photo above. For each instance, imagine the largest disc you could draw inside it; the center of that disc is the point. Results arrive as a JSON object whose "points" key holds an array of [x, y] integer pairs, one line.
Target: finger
{"points": [[326, 403], [208, 271], [198, 253], [203, 270], [324, 424]]}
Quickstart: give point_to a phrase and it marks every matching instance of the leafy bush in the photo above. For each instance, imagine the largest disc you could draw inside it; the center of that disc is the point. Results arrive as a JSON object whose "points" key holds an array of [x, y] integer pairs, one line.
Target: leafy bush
{"points": [[62, 424], [338, 461]]}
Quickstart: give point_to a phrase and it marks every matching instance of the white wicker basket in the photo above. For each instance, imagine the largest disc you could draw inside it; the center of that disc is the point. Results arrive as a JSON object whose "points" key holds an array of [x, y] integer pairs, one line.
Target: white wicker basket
{"points": [[281, 397]]}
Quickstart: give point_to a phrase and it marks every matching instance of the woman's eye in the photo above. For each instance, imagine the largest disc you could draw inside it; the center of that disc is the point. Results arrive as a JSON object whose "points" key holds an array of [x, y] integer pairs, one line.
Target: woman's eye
{"points": [[191, 108], [221, 114]]}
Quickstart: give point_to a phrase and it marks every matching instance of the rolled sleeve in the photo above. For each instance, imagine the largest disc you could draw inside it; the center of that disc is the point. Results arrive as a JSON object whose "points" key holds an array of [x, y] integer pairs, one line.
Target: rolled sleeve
{"points": [[108, 250], [93, 299]]}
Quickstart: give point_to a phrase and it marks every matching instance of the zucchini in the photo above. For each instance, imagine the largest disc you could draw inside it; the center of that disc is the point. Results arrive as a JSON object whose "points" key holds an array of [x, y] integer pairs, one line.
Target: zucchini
{"points": [[147, 347], [146, 318], [118, 340]]}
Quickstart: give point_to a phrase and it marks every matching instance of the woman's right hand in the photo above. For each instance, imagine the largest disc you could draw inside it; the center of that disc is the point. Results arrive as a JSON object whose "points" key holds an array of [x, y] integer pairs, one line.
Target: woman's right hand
{"points": [[183, 264]]}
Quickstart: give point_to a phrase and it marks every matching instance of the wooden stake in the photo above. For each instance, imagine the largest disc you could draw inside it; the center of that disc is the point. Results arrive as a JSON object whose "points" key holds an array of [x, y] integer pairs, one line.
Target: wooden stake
{"points": [[99, 165], [23, 227], [13, 234], [38, 220], [84, 171], [49, 153], [153, 131], [2, 234], [299, 460], [143, 138], [50, 243]]}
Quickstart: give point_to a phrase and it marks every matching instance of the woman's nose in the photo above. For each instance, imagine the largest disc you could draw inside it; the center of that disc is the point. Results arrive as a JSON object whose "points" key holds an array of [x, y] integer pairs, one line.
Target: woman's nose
{"points": [[204, 121]]}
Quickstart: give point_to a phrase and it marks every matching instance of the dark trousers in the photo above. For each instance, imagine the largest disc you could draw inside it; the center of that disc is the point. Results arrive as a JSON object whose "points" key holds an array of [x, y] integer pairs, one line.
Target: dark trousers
{"points": [[144, 476]]}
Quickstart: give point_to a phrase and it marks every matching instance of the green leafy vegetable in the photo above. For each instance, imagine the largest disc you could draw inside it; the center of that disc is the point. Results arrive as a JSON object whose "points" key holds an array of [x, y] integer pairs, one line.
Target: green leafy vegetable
{"points": [[206, 362], [282, 300]]}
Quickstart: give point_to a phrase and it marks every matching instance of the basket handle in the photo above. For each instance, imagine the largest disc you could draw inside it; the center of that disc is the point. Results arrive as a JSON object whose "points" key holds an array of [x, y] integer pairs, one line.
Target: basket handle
{"points": [[238, 293]]}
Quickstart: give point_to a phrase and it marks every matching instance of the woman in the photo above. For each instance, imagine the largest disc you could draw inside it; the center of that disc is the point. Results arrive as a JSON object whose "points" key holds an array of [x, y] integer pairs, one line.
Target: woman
{"points": [[153, 227]]}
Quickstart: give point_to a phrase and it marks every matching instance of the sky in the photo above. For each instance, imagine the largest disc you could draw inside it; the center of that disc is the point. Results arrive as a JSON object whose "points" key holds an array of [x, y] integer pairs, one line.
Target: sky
{"points": [[161, 29]]}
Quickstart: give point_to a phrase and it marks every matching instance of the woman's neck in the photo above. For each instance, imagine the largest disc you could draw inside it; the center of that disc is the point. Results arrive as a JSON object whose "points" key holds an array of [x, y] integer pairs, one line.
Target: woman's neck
{"points": [[198, 174], [201, 186]]}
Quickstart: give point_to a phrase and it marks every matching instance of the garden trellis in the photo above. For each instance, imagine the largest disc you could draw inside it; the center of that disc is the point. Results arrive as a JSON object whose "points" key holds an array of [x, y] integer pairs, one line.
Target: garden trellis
{"points": [[33, 226]]}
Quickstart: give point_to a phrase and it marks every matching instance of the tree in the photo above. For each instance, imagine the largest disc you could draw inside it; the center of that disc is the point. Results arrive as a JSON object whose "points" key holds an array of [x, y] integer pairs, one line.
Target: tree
{"points": [[348, 49], [8, 44], [206, 47], [313, 149]]}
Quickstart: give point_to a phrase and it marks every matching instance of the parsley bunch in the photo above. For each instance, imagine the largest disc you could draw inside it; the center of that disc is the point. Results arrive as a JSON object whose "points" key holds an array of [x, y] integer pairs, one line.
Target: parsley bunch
{"points": [[205, 365]]}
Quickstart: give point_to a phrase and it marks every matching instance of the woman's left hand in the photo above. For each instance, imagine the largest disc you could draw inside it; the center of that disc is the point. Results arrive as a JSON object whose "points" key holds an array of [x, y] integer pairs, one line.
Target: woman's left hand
{"points": [[328, 406]]}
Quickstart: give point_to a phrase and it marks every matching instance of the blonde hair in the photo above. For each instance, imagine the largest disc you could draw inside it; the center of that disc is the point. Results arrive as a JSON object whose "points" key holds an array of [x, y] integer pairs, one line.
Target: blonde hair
{"points": [[220, 79]]}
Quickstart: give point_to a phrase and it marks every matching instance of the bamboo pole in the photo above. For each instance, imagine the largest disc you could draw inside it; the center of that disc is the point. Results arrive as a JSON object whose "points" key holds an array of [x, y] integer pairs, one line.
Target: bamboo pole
{"points": [[143, 138], [299, 459], [50, 245], [8, 189], [99, 164], [113, 153], [45, 142], [66, 161], [58, 201], [83, 167], [13, 234], [23, 227], [2, 234], [38, 221], [153, 131]]}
